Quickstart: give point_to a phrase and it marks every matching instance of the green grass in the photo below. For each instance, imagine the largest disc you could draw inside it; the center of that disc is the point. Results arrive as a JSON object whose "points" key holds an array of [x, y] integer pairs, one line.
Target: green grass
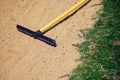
{"points": [[100, 57]]}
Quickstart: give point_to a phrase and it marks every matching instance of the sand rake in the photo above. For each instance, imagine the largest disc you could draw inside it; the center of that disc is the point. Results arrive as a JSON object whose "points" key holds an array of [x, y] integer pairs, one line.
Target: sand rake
{"points": [[39, 33]]}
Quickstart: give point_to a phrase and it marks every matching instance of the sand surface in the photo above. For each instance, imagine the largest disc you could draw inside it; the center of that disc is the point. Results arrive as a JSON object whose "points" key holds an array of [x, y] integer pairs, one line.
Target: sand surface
{"points": [[25, 58]]}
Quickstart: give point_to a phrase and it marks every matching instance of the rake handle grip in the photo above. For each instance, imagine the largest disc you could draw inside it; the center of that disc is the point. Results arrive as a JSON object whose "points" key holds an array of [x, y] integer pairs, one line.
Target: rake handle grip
{"points": [[54, 21]]}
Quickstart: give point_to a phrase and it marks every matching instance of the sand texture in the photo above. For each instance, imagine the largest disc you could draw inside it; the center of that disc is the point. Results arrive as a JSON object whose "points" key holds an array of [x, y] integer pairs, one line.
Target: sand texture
{"points": [[25, 58]]}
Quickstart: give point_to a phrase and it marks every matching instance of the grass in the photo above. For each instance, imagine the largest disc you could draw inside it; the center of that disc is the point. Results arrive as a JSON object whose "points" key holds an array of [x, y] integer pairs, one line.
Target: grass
{"points": [[100, 52]]}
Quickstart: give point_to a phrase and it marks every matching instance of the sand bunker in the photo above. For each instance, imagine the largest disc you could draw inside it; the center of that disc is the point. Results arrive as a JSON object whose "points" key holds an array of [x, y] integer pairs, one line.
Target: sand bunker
{"points": [[24, 58]]}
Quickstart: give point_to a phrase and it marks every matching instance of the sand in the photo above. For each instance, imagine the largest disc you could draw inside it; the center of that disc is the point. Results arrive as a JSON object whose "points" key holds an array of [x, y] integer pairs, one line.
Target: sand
{"points": [[25, 58]]}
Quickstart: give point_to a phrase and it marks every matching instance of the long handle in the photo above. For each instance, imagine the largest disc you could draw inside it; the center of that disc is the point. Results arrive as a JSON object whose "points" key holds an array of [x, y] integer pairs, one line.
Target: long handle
{"points": [[50, 24]]}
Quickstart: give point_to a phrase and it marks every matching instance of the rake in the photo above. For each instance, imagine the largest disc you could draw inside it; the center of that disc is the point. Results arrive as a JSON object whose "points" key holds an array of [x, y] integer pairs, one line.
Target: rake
{"points": [[39, 33]]}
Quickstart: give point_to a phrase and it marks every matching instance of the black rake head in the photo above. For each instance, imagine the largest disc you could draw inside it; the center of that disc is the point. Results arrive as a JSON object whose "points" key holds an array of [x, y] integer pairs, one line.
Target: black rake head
{"points": [[37, 35]]}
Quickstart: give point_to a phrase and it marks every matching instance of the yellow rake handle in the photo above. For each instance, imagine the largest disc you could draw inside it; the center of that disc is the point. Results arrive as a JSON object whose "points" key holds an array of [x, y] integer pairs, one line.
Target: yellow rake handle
{"points": [[50, 24]]}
